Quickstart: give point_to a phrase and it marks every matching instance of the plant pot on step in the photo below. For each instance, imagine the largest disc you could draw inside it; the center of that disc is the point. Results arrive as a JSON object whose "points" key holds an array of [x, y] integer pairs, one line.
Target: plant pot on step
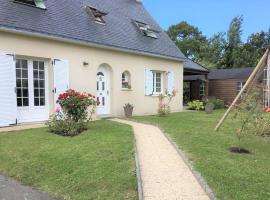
{"points": [[209, 108]]}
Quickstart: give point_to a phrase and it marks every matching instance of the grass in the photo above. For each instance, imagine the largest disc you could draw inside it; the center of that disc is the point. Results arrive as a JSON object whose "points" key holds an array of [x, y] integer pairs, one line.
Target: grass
{"points": [[98, 164], [231, 176]]}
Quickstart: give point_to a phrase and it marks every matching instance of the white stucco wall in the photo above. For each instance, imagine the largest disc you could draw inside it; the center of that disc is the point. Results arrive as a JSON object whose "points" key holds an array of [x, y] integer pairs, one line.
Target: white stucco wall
{"points": [[84, 78]]}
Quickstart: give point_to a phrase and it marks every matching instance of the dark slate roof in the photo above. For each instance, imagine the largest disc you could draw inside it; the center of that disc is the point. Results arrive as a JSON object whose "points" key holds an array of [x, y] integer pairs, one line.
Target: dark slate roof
{"points": [[68, 19], [236, 73], [191, 65], [194, 78]]}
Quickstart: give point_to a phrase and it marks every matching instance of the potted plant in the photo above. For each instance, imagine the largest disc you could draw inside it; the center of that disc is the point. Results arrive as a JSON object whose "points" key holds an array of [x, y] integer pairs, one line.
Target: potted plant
{"points": [[209, 107], [128, 109]]}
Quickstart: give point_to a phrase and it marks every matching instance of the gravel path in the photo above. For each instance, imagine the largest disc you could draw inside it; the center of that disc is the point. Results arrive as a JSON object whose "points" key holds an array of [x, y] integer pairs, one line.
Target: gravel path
{"points": [[13, 190], [164, 174]]}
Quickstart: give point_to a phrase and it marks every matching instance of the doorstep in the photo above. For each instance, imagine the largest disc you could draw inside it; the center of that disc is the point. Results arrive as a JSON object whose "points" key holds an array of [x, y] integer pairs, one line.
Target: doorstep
{"points": [[23, 126]]}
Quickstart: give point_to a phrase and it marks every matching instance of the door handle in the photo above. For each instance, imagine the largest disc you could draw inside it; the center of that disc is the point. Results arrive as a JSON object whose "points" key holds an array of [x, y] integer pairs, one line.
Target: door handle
{"points": [[108, 92], [54, 90]]}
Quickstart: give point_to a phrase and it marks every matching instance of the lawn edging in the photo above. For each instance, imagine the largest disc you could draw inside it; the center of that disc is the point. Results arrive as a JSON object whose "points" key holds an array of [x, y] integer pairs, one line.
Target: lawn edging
{"points": [[138, 171], [181, 153]]}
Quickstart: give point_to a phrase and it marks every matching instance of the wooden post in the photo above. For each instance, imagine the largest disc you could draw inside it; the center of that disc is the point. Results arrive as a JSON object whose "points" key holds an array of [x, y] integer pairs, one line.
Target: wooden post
{"points": [[259, 65]]}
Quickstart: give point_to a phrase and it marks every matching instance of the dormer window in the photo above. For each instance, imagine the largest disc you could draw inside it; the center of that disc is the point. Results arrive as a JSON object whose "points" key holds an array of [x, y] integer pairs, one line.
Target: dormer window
{"points": [[146, 30], [34, 3], [97, 14]]}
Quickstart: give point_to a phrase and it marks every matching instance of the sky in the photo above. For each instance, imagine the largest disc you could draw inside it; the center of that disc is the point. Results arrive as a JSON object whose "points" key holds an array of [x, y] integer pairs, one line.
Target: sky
{"points": [[212, 16]]}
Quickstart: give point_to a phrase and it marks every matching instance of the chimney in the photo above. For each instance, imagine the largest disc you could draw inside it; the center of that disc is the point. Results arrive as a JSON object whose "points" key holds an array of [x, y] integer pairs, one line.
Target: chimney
{"points": [[139, 1]]}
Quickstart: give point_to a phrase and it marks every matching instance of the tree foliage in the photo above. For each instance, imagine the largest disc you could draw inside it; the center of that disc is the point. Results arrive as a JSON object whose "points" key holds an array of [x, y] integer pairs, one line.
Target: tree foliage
{"points": [[222, 50]]}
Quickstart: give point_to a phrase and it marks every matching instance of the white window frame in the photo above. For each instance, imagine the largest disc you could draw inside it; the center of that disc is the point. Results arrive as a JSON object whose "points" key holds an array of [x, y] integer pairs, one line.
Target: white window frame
{"points": [[240, 85], [202, 89], [155, 92], [125, 79]]}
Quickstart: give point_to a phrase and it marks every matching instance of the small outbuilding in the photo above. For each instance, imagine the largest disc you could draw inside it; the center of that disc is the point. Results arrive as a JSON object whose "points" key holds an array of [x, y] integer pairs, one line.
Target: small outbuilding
{"points": [[225, 84]]}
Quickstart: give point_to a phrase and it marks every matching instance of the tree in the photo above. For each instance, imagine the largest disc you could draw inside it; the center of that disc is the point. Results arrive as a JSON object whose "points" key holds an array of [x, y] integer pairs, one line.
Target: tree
{"points": [[232, 51], [189, 39], [222, 50], [214, 52]]}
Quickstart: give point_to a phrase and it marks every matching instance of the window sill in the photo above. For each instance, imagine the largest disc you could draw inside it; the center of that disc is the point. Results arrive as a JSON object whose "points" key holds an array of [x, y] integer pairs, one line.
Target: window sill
{"points": [[126, 89]]}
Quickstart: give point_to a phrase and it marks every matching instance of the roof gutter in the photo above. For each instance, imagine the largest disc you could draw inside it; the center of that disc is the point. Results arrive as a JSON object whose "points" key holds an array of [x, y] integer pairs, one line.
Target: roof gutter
{"points": [[85, 43]]}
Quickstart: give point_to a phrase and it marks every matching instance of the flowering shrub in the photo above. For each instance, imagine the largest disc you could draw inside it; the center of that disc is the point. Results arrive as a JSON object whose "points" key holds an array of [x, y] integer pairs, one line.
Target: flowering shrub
{"points": [[75, 111], [196, 105], [75, 104], [164, 103]]}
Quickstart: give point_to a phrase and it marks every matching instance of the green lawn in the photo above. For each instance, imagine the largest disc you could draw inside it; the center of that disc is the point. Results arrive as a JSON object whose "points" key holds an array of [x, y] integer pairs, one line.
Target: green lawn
{"points": [[231, 176], [98, 164]]}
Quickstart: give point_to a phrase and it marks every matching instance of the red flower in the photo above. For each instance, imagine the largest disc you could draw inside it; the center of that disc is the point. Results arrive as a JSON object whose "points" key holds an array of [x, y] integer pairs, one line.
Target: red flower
{"points": [[94, 97], [266, 109]]}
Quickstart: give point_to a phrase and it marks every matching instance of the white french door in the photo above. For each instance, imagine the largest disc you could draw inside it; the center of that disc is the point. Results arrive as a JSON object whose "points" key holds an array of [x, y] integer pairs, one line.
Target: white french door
{"points": [[32, 90], [103, 92]]}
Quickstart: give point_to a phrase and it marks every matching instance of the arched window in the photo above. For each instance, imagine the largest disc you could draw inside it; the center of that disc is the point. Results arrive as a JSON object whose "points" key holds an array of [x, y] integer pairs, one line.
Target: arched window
{"points": [[126, 84]]}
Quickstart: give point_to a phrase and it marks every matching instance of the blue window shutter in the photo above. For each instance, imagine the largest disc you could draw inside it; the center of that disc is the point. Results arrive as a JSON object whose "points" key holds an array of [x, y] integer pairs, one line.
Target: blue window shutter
{"points": [[148, 82]]}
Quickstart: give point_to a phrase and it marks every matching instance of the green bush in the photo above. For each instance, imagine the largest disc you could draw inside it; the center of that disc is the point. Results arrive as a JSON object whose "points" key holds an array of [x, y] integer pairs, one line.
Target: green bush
{"points": [[196, 105], [218, 104], [66, 127]]}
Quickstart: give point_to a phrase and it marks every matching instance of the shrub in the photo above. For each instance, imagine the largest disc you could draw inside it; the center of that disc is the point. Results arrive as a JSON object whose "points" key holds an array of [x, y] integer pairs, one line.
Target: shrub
{"points": [[76, 110], [196, 105], [163, 106], [66, 127], [209, 107], [218, 104]]}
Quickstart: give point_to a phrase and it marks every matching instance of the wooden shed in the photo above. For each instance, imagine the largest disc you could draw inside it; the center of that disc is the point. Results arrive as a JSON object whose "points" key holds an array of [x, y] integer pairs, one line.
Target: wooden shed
{"points": [[225, 84]]}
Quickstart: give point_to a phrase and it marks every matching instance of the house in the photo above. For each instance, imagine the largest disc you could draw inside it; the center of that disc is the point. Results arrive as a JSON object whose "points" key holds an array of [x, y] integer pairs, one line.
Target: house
{"points": [[195, 81], [225, 84], [222, 84], [113, 49]]}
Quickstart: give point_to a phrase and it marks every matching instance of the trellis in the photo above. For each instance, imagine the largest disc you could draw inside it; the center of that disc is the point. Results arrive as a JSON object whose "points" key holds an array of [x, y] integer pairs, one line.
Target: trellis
{"points": [[260, 78], [266, 81]]}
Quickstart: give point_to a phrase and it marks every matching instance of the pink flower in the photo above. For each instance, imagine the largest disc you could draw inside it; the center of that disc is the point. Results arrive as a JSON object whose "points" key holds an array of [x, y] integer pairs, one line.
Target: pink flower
{"points": [[57, 110]]}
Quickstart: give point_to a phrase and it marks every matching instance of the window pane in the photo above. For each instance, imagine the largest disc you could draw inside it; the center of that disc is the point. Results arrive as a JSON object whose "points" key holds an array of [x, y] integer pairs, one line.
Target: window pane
{"points": [[42, 84], [42, 101], [42, 93], [19, 102], [25, 83], [35, 74], [35, 65], [25, 92], [18, 64], [19, 93], [35, 83], [24, 73], [18, 73], [36, 92], [18, 83], [24, 64], [25, 102], [36, 101], [41, 65], [41, 75]]}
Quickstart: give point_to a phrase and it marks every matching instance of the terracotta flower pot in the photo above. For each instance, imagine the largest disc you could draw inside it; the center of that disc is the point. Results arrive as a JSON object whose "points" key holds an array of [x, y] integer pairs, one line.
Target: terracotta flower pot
{"points": [[209, 108], [128, 111]]}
